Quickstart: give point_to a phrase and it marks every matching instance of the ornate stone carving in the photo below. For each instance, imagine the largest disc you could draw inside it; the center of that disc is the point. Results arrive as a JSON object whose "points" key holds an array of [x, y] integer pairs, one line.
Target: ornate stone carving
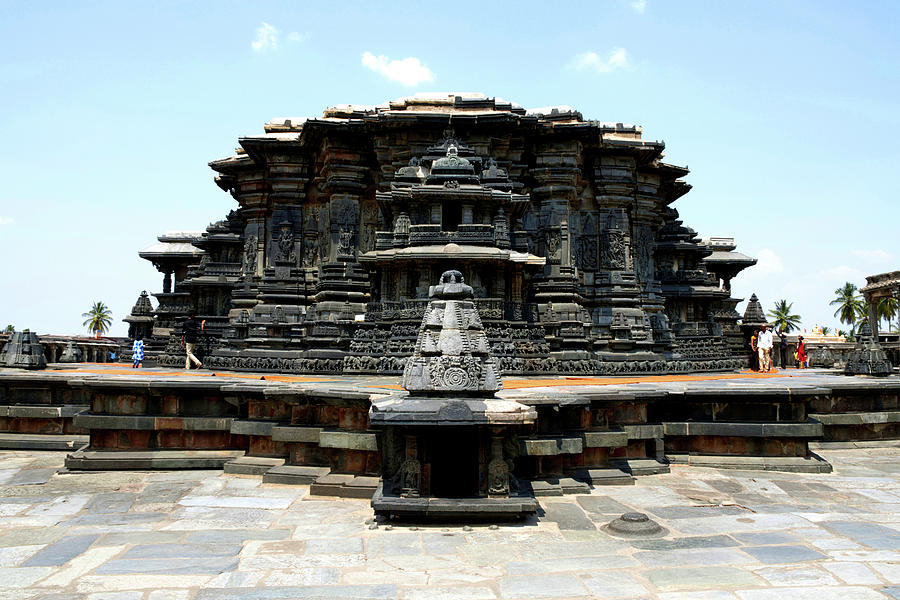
{"points": [[248, 267]]}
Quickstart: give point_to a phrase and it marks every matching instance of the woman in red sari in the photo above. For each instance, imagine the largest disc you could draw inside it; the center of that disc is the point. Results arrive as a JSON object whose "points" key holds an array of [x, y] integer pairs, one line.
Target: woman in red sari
{"points": [[801, 353]]}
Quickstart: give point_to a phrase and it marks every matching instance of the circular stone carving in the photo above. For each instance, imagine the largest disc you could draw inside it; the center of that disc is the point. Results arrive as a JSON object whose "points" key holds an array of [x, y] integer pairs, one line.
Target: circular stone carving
{"points": [[635, 524], [456, 378]]}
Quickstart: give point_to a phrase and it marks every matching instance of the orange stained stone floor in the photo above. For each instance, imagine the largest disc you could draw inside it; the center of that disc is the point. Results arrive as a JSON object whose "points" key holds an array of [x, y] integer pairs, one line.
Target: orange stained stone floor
{"points": [[508, 384], [191, 373]]}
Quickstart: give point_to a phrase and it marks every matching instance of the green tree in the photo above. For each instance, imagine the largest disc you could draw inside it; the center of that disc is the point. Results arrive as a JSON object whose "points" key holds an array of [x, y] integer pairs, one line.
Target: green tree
{"points": [[886, 309], [783, 319], [826, 330], [9, 329], [98, 319], [849, 304]]}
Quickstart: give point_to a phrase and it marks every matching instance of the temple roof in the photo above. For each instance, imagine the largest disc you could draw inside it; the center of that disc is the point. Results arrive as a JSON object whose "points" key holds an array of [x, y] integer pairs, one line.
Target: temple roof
{"points": [[173, 244]]}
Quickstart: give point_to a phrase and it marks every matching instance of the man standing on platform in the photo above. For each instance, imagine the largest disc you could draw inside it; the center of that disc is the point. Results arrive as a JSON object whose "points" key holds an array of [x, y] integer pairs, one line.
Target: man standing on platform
{"points": [[783, 348], [190, 334], [765, 343]]}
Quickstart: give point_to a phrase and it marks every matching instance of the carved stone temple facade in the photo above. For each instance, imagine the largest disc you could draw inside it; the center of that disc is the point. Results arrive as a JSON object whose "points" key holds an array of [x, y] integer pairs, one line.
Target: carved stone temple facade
{"points": [[564, 228]]}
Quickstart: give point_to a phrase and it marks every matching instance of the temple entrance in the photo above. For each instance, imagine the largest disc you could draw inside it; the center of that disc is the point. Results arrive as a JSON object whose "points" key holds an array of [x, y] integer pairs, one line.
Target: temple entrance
{"points": [[453, 455]]}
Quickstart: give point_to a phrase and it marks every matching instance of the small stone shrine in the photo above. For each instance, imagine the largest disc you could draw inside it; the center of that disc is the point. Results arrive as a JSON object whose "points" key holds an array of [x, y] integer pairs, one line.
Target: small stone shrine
{"points": [[867, 358], [72, 353], [448, 446], [23, 350]]}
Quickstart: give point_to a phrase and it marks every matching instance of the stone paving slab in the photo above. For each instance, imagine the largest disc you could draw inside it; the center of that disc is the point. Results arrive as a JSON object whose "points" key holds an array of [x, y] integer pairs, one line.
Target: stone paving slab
{"points": [[733, 535]]}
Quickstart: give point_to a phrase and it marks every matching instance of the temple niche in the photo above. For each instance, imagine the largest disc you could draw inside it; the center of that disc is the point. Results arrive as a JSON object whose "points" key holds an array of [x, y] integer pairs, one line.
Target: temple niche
{"points": [[562, 227]]}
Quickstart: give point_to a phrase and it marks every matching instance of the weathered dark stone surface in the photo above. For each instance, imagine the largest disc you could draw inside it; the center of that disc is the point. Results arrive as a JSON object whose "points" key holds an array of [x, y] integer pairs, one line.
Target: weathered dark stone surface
{"points": [[867, 358], [562, 226], [23, 350]]}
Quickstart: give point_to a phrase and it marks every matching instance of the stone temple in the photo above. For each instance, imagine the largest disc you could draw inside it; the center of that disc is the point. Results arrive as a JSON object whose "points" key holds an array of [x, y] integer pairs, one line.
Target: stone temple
{"points": [[563, 227]]}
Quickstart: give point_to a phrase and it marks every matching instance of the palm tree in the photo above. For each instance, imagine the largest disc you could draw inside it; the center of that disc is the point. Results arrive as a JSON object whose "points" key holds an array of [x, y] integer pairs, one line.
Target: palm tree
{"points": [[826, 330], [99, 318], [848, 303], [886, 309], [784, 320]]}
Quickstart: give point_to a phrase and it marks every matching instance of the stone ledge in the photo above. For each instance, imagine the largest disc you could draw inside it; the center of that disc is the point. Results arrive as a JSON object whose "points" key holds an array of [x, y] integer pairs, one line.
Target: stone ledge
{"points": [[859, 418], [551, 446], [605, 439], [640, 466], [348, 440], [149, 460], [601, 477], [41, 412], [793, 464], [344, 485], [294, 433], [553, 486], [250, 427], [858, 444], [294, 474], [514, 507], [147, 423], [36, 441], [252, 465], [809, 429]]}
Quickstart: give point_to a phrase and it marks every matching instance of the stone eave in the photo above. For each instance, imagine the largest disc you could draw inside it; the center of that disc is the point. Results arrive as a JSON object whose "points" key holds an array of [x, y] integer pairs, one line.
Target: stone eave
{"points": [[453, 251], [730, 258]]}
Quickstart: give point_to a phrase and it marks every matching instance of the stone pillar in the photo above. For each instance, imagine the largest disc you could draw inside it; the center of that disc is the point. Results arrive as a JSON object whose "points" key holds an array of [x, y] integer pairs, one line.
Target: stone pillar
{"points": [[167, 282]]}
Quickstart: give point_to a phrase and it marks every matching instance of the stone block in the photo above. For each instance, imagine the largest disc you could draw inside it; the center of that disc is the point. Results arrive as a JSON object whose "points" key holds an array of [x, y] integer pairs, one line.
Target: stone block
{"points": [[246, 427], [34, 441], [293, 433], [551, 446], [643, 432], [348, 440], [605, 439]]}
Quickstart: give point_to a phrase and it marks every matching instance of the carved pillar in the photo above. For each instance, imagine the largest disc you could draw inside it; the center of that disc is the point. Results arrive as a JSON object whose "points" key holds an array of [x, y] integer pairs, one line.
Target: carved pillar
{"points": [[167, 281]]}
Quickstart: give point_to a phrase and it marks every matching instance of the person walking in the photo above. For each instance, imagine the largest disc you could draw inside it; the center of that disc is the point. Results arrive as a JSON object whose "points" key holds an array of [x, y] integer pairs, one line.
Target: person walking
{"points": [[190, 333], [137, 353], [765, 343], [801, 353]]}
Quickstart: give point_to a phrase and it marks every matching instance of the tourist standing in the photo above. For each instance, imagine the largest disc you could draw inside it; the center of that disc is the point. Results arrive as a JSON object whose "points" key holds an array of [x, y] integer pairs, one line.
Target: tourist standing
{"points": [[764, 343], [137, 353], [754, 351], [190, 333], [801, 353]]}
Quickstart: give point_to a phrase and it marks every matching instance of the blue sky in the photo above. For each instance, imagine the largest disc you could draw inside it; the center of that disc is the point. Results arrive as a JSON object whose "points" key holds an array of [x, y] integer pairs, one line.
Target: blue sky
{"points": [[785, 112]]}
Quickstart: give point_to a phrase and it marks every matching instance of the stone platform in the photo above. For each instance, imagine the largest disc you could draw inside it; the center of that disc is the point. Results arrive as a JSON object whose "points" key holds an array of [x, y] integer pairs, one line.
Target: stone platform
{"points": [[589, 431], [209, 535]]}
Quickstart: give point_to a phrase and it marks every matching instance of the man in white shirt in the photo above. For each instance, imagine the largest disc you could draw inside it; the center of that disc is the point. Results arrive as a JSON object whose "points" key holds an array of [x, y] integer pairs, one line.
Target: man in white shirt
{"points": [[765, 343]]}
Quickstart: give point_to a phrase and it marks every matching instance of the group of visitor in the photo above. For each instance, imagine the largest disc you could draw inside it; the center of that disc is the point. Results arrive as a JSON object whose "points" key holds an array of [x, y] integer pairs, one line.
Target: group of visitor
{"points": [[762, 342], [190, 335]]}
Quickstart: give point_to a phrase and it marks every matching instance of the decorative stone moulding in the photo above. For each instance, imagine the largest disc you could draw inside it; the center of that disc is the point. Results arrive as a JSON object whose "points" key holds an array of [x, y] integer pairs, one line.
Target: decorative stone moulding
{"points": [[23, 351]]}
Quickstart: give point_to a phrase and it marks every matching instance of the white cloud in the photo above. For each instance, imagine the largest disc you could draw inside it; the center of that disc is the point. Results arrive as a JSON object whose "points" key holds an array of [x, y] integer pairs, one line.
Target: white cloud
{"points": [[639, 5], [266, 38], [617, 59], [871, 255], [767, 263], [841, 273], [6, 220], [409, 71], [295, 37]]}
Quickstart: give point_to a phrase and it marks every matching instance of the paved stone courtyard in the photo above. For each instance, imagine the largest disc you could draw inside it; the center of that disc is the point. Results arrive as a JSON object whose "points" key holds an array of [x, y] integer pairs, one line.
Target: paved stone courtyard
{"points": [[205, 535]]}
